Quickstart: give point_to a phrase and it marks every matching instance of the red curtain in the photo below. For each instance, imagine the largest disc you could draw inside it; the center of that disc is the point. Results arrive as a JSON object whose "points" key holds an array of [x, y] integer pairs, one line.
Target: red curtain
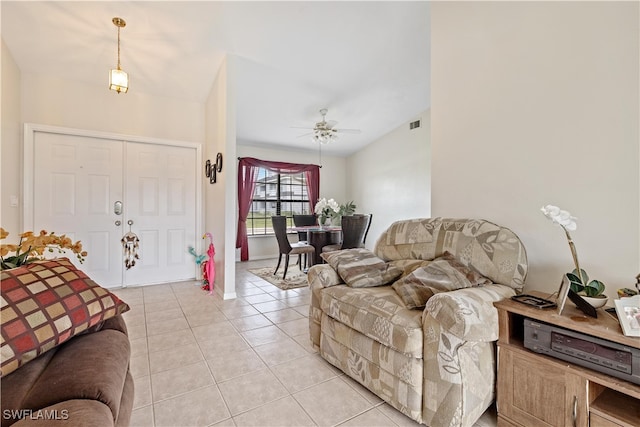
{"points": [[247, 170]]}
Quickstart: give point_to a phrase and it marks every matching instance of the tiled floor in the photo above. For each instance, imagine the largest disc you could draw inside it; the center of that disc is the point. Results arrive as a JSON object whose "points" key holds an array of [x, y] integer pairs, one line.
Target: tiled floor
{"points": [[198, 360]]}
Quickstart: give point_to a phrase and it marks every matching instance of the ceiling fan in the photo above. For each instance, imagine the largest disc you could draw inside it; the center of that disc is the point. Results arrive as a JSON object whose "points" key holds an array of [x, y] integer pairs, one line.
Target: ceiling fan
{"points": [[324, 131]]}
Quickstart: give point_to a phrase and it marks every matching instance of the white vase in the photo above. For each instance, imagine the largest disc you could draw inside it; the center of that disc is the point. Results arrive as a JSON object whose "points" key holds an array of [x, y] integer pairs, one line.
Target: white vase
{"points": [[596, 302]]}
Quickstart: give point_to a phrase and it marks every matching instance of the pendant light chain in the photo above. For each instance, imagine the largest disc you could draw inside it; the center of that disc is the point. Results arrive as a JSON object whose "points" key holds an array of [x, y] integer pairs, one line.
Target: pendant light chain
{"points": [[119, 48]]}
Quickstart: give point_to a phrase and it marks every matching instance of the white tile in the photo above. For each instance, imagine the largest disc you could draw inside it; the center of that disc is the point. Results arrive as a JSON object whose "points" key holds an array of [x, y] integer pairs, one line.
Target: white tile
{"points": [[200, 407], [264, 335], [283, 412], [250, 322], [252, 390], [231, 364], [183, 379], [142, 395], [303, 372], [197, 359], [295, 327], [280, 351], [371, 418], [175, 339], [174, 357], [142, 417], [164, 326], [285, 315], [332, 402]]}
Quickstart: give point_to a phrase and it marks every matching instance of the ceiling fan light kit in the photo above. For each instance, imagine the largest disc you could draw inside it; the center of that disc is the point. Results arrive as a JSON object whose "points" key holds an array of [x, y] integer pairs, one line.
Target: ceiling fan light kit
{"points": [[118, 79], [324, 131]]}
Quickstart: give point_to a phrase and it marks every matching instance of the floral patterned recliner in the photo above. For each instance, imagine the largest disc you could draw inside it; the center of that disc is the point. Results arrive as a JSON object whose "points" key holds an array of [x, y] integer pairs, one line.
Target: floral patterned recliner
{"points": [[435, 365]]}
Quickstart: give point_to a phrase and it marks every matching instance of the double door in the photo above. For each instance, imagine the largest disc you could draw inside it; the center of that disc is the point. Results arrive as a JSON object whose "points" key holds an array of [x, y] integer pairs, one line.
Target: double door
{"points": [[124, 200]]}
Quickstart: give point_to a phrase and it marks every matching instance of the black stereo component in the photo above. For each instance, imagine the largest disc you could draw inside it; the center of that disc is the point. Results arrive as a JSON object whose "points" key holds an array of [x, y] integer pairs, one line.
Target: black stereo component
{"points": [[604, 356]]}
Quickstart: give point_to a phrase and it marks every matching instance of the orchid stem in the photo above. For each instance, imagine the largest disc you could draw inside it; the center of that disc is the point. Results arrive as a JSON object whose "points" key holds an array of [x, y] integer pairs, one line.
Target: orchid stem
{"points": [[575, 255]]}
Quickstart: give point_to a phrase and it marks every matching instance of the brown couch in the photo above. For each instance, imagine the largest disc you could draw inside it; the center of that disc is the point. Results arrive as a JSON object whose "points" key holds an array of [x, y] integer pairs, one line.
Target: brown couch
{"points": [[82, 382], [64, 349]]}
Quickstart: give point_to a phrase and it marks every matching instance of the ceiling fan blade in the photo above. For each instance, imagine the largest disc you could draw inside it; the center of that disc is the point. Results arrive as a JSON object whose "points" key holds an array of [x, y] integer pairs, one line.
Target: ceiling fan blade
{"points": [[348, 130], [301, 127], [304, 134]]}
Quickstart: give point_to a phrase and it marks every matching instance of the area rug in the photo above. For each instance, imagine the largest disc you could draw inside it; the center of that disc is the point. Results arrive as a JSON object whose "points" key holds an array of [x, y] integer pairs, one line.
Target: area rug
{"points": [[295, 278]]}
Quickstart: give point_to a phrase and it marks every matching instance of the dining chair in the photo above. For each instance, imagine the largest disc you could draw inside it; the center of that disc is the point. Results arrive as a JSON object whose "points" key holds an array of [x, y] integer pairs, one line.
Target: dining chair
{"points": [[366, 232], [354, 232], [286, 248], [302, 221]]}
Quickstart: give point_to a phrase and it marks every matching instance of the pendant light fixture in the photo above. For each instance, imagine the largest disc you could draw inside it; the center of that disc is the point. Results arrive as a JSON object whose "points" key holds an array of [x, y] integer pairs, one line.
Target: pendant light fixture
{"points": [[118, 79]]}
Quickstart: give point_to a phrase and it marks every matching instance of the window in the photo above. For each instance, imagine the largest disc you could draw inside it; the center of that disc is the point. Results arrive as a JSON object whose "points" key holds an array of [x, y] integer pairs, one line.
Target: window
{"points": [[276, 194]]}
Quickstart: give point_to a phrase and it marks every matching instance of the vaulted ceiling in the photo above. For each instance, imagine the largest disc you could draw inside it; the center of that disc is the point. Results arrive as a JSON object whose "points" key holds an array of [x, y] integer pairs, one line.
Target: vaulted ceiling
{"points": [[367, 62]]}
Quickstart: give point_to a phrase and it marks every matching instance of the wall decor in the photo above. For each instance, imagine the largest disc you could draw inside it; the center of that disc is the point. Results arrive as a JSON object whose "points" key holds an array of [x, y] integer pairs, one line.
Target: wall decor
{"points": [[210, 171], [219, 162]]}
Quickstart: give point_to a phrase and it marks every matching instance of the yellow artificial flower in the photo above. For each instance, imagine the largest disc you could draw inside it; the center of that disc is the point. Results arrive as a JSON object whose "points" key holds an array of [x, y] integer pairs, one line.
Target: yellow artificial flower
{"points": [[32, 247]]}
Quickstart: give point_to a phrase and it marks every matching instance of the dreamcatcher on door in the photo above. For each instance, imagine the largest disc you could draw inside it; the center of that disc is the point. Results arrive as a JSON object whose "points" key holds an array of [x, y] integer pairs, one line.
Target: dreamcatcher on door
{"points": [[130, 245]]}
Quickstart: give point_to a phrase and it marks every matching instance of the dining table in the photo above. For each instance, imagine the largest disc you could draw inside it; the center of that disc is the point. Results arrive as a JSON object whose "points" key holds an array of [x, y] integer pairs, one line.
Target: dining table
{"points": [[320, 236]]}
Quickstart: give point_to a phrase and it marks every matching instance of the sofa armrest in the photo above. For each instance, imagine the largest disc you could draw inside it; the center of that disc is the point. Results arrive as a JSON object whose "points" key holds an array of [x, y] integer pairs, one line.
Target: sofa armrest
{"points": [[319, 276], [324, 276], [468, 313]]}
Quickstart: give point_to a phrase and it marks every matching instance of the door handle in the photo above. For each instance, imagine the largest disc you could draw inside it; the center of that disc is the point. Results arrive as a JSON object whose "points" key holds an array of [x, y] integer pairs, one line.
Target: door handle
{"points": [[574, 412], [118, 223]]}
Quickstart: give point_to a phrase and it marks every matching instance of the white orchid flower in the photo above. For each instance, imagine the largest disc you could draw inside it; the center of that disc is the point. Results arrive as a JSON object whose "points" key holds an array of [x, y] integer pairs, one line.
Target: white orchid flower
{"points": [[550, 211], [560, 217], [566, 220], [568, 223]]}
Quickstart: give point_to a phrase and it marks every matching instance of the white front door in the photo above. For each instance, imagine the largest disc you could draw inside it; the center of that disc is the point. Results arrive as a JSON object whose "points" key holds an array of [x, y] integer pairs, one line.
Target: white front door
{"points": [[160, 209], [77, 180]]}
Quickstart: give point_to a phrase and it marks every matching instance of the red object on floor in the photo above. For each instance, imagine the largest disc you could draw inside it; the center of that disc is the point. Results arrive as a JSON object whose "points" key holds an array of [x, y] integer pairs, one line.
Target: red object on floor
{"points": [[209, 266]]}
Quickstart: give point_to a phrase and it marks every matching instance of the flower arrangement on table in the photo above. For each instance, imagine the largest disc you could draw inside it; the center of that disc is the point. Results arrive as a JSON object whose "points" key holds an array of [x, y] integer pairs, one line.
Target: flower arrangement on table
{"points": [[579, 279], [325, 209], [32, 247]]}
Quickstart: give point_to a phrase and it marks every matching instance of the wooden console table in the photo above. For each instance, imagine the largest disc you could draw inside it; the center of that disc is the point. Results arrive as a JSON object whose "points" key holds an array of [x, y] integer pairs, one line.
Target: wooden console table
{"points": [[538, 390]]}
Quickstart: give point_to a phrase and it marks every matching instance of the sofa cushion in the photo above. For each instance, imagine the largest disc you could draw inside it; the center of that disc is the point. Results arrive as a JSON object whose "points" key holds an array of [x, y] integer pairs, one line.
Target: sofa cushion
{"points": [[495, 251], [44, 304], [360, 268], [377, 313], [443, 274]]}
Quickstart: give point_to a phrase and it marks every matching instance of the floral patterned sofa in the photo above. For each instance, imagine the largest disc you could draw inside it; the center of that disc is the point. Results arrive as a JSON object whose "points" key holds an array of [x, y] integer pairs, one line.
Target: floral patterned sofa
{"points": [[437, 364]]}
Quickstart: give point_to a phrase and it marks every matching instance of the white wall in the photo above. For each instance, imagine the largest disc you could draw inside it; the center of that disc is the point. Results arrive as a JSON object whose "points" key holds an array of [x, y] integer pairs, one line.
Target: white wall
{"points": [[536, 103], [39, 99], [391, 177], [332, 185], [220, 198], [10, 148], [30, 98], [52, 101]]}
